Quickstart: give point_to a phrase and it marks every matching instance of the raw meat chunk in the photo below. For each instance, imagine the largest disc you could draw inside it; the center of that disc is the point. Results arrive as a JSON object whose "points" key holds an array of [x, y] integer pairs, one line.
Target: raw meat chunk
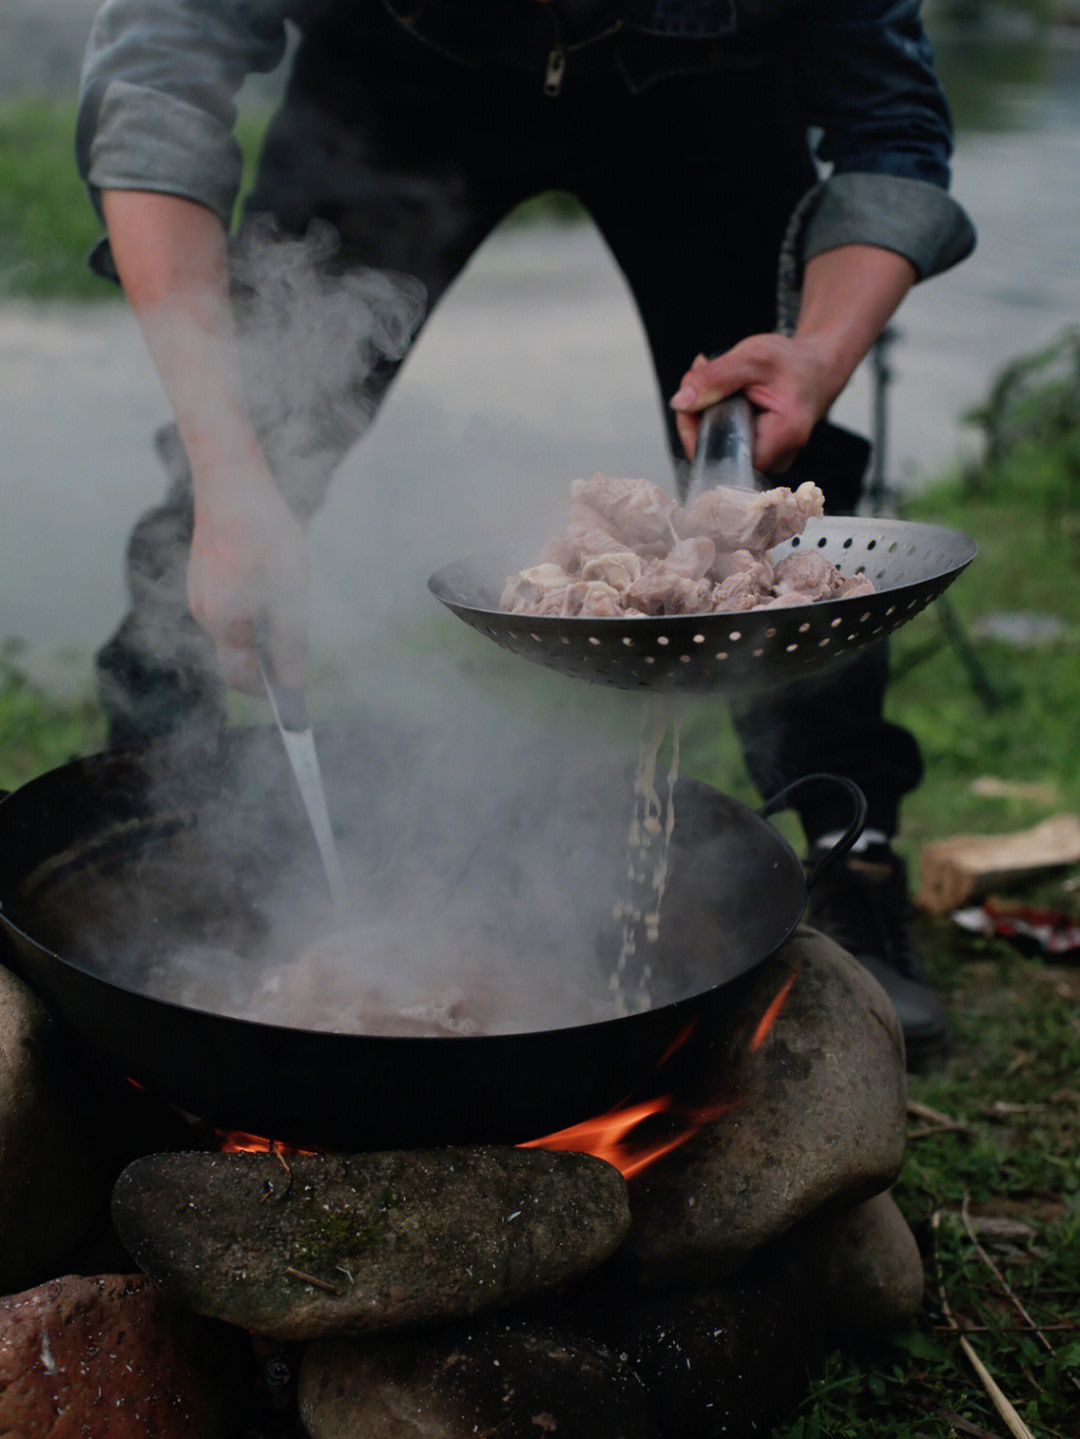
{"points": [[637, 512], [854, 585], [693, 558], [750, 519], [808, 572], [618, 568], [528, 588], [661, 591], [630, 550]]}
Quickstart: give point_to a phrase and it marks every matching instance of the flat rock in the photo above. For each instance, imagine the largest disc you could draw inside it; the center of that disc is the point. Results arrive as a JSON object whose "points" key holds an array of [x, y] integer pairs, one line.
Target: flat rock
{"points": [[57, 1154], [493, 1378], [606, 1358], [733, 1358], [868, 1270], [816, 1120], [110, 1358], [339, 1245]]}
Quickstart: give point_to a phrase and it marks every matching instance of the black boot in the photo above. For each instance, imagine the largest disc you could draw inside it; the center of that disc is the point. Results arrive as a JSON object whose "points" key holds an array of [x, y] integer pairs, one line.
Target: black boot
{"points": [[864, 906]]}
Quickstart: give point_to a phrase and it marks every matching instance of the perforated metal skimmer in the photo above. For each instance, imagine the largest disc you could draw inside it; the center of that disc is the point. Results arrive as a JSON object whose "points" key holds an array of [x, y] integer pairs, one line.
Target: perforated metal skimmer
{"points": [[908, 564]]}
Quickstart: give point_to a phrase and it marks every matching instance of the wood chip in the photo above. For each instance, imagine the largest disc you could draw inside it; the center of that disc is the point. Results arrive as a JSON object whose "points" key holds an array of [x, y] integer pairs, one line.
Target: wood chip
{"points": [[992, 1226]]}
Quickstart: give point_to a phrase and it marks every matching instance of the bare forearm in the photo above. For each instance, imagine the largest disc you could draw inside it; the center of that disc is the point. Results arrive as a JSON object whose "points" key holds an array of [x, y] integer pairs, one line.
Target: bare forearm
{"points": [[172, 260], [248, 570], [849, 295]]}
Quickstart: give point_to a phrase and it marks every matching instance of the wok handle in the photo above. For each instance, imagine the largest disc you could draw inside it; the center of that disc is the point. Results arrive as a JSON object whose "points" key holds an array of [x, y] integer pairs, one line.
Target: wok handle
{"points": [[829, 861]]}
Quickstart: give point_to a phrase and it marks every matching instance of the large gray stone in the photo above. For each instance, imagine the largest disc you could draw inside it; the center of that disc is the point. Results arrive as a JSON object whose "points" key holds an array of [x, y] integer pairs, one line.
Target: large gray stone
{"points": [[494, 1378], [817, 1119], [57, 1149], [111, 1358], [607, 1358], [338, 1245], [731, 1358], [869, 1270]]}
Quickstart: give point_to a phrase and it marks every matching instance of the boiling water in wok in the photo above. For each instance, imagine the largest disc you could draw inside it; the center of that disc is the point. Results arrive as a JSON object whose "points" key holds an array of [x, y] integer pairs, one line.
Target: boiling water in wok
{"points": [[475, 908]]}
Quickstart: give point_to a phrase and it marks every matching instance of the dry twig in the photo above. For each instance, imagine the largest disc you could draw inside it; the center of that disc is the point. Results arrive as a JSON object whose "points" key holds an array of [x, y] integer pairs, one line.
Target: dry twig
{"points": [[306, 1278], [1014, 1299], [937, 1123], [923, 1111], [1064, 1328], [1013, 1422], [1003, 1109]]}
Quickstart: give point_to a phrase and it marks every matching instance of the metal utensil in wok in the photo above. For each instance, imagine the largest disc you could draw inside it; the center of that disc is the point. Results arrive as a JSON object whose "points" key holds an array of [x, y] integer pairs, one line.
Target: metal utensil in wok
{"points": [[908, 564], [290, 712]]}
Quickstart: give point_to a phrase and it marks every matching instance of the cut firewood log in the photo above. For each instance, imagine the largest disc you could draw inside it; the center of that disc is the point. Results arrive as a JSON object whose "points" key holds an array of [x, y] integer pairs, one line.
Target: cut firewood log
{"points": [[967, 866]]}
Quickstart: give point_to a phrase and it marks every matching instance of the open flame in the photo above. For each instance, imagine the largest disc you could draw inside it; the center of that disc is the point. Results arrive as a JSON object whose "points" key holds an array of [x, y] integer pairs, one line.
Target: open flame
{"points": [[624, 1137], [611, 1136], [235, 1141], [772, 1013], [630, 1137]]}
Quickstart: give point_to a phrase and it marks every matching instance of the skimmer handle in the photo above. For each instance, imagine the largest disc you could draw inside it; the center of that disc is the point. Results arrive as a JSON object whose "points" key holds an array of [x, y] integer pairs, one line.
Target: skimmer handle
{"points": [[724, 451]]}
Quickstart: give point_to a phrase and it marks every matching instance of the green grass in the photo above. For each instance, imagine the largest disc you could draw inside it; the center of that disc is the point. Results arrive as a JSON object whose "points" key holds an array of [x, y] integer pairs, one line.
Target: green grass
{"points": [[1010, 1084], [38, 732], [1026, 730], [978, 707], [47, 224]]}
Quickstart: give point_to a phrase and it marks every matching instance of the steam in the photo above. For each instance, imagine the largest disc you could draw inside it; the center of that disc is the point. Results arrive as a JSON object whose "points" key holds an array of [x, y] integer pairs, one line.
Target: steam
{"points": [[482, 878], [319, 343], [481, 806]]}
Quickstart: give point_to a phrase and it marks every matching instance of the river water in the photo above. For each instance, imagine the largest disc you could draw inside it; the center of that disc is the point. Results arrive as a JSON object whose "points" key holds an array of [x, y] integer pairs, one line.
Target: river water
{"points": [[534, 371]]}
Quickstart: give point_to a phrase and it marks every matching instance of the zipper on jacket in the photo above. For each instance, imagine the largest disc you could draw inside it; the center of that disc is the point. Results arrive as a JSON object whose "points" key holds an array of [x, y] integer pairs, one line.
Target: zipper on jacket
{"points": [[557, 55], [556, 60], [556, 67]]}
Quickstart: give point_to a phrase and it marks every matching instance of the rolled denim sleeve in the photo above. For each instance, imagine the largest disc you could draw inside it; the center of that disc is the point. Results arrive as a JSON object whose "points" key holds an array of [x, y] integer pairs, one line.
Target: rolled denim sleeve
{"points": [[157, 97], [864, 76], [913, 217]]}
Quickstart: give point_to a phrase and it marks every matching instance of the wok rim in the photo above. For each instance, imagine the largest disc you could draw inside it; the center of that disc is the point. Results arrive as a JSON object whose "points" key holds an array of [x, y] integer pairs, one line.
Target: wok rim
{"points": [[265, 1027], [126, 756]]}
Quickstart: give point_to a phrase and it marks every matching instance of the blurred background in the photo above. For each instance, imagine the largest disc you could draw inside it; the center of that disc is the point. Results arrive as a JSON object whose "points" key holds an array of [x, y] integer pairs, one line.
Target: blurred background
{"points": [[532, 373]]}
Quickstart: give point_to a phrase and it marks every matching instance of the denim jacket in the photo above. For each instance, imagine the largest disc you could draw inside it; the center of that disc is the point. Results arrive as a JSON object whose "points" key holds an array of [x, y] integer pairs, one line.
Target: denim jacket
{"points": [[157, 104]]}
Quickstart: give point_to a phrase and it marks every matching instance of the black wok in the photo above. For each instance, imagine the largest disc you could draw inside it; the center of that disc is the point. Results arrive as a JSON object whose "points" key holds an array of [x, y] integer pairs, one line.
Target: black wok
{"points": [[99, 889]]}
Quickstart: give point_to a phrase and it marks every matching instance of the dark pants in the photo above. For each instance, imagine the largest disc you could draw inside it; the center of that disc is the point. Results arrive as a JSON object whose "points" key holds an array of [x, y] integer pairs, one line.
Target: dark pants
{"points": [[409, 159]]}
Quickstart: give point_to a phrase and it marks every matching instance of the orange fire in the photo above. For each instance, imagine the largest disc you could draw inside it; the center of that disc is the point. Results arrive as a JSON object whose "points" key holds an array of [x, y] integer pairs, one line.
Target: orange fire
{"points": [[235, 1141], [611, 1136], [772, 1013]]}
